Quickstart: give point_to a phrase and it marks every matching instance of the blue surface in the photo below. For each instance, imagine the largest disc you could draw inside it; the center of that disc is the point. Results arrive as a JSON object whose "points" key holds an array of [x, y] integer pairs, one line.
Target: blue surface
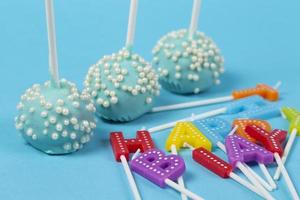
{"points": [[260, 42]]}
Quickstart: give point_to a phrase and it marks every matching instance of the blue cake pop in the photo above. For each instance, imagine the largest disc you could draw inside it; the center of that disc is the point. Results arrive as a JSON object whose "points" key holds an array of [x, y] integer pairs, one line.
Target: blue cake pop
{"points": [[187, 65], [56, 120], [122, 85], [187, 60], [54, 117]]}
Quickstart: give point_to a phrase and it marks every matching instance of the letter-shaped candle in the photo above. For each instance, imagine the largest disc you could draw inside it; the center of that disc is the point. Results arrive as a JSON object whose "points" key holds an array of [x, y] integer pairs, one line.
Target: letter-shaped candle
{"points": [[252, 107], [160, 169], [214, 128], [124, 147], [187, 132], [241, 150]]}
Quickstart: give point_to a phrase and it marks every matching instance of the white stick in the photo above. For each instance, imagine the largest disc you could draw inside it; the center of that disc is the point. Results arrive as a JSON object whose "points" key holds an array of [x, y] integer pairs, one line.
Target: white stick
{"points": [[135, 154], [255, 175], [286, 177], [130, 178], [233, 130], [245, 183], [286, 152], [177, 187], [192, 104], [180, 179], [221, 146], [187, 145], [267, 174], [278, 84], [53, 63], [255, 182], [194, 18], [131, 23], [196, 117], [260, 179], [233, 175]]}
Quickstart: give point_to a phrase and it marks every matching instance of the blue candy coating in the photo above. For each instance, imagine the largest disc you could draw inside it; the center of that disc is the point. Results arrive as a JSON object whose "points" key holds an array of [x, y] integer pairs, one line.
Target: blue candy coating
{"points": [[56, 120], [187, 65], [123, 86]]}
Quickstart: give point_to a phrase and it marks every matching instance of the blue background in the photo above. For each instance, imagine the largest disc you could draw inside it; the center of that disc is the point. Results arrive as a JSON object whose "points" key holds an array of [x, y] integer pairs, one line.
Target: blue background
{"points": [[259, 40]]}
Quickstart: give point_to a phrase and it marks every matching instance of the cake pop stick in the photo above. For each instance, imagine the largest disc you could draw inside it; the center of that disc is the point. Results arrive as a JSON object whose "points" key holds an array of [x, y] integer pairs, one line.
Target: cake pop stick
{"points": [[180, 179], [293, 116], [53, 63], [240, 151], [122, 147], [131, 23], [194, 18], [242, 124], [272, 142], [262, 90], [251, 107], [218, 166], [162, 170]]}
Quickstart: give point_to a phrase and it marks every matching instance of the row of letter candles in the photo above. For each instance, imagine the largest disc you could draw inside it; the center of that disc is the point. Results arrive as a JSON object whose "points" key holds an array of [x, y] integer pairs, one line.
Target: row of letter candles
{"points": [[248, 140]]}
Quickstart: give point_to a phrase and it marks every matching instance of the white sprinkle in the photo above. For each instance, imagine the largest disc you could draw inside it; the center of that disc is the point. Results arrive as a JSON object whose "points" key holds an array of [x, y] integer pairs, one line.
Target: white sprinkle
{"points": [[149, 100], [29, 132], [54, 136], [73, 135], [74, 120]]}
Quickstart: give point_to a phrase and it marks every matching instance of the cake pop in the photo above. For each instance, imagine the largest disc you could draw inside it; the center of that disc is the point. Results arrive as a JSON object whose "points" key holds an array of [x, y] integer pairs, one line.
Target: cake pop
{"points": [[123, 85], [54, 117], [187, 60]]}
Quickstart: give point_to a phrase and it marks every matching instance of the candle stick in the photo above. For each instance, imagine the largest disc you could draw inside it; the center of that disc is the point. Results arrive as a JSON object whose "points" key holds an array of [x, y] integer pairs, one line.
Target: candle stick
{"points": [[53, 63], [180, 179], [123, 147], [262, 90], [136, 154], [130, 178], [272, 141], [293, 116]]}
